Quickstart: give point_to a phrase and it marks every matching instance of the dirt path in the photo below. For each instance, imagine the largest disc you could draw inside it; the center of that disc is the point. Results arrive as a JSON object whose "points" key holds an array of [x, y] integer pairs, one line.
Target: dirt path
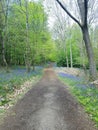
{"points": [[47, 106]]}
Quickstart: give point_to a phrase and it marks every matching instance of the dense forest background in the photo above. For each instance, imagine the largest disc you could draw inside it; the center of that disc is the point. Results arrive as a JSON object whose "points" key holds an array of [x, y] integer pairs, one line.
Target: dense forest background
{"points": [[26, 38]]}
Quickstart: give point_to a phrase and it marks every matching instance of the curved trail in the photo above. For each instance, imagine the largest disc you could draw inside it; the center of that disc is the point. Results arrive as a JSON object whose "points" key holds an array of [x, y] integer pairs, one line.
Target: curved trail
{"points": [[47, 106]]}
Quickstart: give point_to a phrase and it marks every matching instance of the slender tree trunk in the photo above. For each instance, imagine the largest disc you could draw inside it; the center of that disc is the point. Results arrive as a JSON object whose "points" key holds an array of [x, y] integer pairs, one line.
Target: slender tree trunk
{"points": [[67, 60], [4, 62], [28, 62], [3, 46], [83, 55], [4, 38], [3, 54], [71, 58], [90, 54]]}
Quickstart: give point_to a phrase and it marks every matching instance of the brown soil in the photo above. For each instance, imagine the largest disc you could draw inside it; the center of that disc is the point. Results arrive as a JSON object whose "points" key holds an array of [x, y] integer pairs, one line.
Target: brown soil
{"points": [[47, 106]]}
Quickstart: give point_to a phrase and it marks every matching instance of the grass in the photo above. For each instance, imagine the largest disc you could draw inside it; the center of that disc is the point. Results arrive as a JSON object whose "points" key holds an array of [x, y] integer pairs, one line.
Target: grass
{"points": [[86, 94]]}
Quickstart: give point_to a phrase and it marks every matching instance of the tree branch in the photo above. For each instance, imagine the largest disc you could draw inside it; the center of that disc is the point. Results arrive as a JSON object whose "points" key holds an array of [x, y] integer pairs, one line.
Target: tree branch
{"points": [[64, 8]]}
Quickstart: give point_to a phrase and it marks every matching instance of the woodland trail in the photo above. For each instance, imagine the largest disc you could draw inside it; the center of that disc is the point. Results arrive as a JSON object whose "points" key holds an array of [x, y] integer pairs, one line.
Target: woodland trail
{"points": [[47, 106]]}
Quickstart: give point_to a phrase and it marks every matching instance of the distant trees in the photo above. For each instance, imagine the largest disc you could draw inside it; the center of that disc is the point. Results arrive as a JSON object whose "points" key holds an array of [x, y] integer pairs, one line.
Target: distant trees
{"points": [[83, 24], [74, 55]]}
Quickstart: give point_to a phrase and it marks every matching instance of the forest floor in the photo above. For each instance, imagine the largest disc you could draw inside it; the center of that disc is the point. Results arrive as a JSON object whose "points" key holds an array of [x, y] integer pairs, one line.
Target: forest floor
{"points": [[47, 106]]}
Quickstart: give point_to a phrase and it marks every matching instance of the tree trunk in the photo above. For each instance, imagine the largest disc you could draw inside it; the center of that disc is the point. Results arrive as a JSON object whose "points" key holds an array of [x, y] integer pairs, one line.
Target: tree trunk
{"points": [[83, 55], [90, 54], [67, 59], [4, 38], [28, 62], [71, 58], [3, 53]]}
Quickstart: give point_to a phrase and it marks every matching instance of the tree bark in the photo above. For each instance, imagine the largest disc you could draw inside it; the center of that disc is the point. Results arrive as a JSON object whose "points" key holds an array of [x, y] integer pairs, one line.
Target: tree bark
{"points": [[90, 54]]}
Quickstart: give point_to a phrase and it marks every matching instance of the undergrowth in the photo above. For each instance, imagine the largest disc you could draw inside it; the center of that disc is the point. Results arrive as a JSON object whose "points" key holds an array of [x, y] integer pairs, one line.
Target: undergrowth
{"points": [[12, 80], [86, 94]]}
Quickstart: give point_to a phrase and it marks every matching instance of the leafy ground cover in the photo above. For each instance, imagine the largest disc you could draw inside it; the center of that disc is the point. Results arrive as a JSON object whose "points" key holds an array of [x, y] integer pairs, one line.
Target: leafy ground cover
{"points": [[12, 80], [84, 92]]}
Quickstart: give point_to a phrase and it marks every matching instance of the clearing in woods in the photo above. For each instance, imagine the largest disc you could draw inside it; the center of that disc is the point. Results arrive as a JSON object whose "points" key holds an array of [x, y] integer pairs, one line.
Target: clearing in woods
{"points": [[47, 106]]}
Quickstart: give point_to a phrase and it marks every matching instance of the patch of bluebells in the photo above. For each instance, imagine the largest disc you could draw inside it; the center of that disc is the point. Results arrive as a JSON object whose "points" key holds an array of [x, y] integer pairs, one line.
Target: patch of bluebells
{"points": [[11, 80], [86, 94], [82, 86], [72, 77], [79, 83], [87, 91], [18, 73]]}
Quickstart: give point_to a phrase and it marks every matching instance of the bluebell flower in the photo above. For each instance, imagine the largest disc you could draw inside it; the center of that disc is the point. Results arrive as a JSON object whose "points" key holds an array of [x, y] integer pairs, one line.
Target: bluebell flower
{"points": [[69, 76]]}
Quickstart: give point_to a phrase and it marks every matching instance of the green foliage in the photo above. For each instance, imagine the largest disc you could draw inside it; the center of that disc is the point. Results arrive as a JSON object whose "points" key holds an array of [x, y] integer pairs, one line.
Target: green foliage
{"points": [[73, 44], [35, 47], [61, 60]]}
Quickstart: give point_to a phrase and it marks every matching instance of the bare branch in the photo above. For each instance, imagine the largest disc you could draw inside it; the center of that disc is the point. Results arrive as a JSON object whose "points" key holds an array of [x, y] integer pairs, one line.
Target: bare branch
{"points": [[64, 8]]}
